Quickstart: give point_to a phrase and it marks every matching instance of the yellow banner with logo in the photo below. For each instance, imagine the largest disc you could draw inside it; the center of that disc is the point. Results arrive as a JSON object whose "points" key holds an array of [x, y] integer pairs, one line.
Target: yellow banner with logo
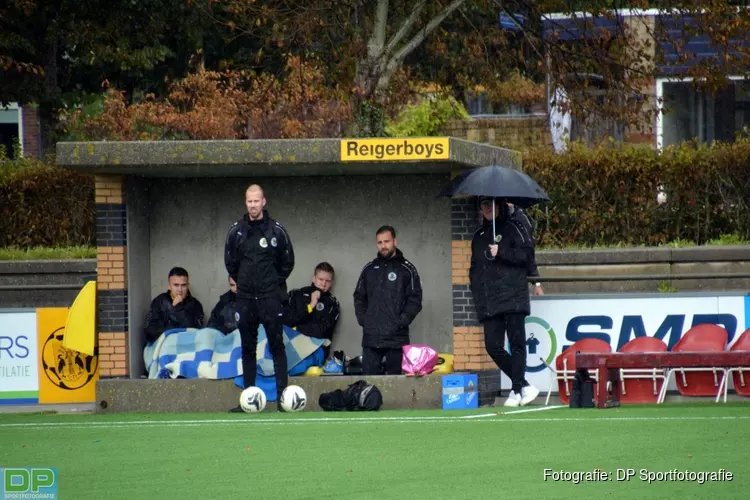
{"points": [[395, 149], [65, 375]]}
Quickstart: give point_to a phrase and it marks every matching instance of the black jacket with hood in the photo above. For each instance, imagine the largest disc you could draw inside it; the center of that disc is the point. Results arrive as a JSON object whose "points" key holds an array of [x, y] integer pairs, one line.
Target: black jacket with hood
{"points": [[387, 298], [499, 285], [224, 314], [259, 257]]}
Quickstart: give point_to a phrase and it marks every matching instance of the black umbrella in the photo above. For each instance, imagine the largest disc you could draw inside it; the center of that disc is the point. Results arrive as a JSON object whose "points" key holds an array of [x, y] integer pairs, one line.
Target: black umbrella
{"points": [[495, 181]]}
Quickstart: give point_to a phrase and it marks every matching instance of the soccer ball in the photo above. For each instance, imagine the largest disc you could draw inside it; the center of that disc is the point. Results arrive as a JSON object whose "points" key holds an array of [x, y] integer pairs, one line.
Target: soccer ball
{"points": [[253, 400], [293, 399]]}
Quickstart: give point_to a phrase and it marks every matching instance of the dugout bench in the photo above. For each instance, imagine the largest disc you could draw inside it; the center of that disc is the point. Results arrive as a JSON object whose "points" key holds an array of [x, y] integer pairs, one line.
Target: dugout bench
{"points": [[609, 365]]}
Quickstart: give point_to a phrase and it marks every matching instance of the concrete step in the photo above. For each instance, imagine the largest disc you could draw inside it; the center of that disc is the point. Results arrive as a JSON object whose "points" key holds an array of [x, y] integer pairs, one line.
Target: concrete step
{"points": [[202, 395]]}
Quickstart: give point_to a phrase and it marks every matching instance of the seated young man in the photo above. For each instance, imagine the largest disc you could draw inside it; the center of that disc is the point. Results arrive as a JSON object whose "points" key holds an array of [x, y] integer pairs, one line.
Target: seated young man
{"points": [[175, 308], [313, 310], [224, 314]]}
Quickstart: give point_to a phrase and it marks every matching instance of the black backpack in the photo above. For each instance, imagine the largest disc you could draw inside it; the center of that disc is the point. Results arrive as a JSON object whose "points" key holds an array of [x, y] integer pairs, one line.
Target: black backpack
{"points": [[582, 395], [359, 396]]}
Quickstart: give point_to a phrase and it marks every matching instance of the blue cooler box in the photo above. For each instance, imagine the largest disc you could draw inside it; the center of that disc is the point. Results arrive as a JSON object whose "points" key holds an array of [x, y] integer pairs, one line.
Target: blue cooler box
{"points": [[460, 392]]}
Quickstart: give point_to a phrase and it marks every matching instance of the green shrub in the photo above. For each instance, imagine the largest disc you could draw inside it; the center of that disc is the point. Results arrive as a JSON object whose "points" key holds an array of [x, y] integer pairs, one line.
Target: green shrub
{"points": [[426, 118], [608, 195], [44, 205]]}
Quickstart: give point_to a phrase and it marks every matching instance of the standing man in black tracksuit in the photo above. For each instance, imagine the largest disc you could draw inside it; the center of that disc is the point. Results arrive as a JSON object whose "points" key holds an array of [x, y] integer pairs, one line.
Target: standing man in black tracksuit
{"points": [[259, 257], [387, 298], [501, 293]]}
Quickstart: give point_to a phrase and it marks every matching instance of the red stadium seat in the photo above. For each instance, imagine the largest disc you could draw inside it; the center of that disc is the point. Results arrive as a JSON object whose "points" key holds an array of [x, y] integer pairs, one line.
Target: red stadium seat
{"points": [[699, 381], [644, 384]]}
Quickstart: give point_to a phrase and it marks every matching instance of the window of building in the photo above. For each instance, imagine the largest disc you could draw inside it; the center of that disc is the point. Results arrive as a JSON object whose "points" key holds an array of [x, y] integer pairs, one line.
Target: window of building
{"points": [[11, 133], [692, 114], [478, 103], [594, 125]]}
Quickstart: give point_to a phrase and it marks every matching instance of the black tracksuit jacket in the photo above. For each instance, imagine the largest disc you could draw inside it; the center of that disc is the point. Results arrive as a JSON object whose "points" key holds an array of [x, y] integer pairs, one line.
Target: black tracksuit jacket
{"points": [[387, 298], [259, 257]]}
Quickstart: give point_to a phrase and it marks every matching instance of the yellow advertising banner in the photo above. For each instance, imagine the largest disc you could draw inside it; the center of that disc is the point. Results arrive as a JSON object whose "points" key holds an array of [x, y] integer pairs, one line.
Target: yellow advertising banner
{"points": [[395, 149], [65, 376]]}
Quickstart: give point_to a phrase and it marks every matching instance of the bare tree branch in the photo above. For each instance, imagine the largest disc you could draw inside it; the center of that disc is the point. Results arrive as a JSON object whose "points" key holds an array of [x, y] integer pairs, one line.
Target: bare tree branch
{"points": [[404, 51], [419, 37], [377, 40], [405, 26]]}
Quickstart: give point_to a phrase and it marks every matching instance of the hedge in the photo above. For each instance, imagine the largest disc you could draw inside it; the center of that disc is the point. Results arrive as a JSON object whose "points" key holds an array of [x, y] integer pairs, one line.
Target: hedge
{"points": [[602, 196], [44, 205], [608, 195]]}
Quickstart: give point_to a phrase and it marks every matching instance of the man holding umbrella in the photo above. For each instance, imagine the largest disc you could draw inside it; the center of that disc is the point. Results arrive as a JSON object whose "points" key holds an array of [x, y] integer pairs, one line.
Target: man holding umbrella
{"points": [[500, 252]]}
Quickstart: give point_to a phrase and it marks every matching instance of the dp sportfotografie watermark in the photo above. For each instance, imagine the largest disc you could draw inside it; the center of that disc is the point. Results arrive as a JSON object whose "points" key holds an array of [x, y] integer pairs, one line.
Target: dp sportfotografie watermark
{"points": [[645, 475], [21, 483]]}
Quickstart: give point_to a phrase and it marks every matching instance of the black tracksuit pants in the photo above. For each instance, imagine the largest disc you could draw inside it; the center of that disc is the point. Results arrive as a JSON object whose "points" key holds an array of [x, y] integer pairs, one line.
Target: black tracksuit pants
{"points": [[268, 312], [514, 364], [372, 361]]}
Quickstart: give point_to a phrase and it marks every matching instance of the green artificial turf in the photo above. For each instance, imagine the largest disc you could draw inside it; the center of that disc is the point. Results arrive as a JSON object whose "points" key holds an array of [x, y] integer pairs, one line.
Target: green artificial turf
{"points": [[495, 454]]}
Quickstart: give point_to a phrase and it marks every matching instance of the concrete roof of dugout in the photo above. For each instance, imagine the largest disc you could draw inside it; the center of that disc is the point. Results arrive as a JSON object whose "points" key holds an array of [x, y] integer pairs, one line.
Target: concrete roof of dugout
{"points": [[272, 157]]}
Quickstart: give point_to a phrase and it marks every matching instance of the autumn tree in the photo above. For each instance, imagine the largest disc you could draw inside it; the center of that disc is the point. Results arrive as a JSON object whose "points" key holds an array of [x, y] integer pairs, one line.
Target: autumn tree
{"points": [[209, 105], [461, 43], [607, 53], [56, 52], [16, 54], [364, 45], [371, 54]]}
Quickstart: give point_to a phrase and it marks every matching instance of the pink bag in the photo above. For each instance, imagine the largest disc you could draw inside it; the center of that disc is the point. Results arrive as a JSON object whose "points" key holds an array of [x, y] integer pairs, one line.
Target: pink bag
{"points": [[418, 359]]}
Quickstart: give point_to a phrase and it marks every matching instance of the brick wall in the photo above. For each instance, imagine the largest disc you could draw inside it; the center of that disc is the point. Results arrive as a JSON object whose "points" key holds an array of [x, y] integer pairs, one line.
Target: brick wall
{"points": [[510, 132], [31, 132], [112, 294], [468, 337], [530, 131]]}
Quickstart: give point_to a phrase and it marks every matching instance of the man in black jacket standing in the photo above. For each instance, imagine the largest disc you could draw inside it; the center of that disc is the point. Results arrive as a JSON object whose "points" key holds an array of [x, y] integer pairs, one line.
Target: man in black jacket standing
{"points": [[500, 290], [259, 257], [387, 298]]}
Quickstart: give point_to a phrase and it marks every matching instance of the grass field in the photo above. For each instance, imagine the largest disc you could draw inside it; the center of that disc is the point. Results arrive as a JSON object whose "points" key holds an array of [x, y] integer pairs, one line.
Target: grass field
{"points": [[480, 454]]}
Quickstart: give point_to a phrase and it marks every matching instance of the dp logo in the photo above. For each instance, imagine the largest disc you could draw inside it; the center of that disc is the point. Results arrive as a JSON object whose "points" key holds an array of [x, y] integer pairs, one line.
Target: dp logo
{"points": [[30, 482]]}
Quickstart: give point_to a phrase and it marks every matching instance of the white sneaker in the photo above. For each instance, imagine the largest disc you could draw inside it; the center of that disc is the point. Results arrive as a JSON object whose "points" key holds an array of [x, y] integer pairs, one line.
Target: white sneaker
{"points": [[528, 394], [514, 399]]}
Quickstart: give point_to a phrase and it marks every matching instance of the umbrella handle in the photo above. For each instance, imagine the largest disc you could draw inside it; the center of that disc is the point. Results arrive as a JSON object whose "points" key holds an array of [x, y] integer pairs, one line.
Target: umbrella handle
{"points": [[493, 219]]}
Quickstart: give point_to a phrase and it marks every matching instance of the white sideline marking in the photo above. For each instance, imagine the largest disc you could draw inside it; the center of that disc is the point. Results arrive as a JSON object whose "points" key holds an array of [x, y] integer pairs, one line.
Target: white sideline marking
{"points": [[339, 420], [540, 408], [511, 412]]}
